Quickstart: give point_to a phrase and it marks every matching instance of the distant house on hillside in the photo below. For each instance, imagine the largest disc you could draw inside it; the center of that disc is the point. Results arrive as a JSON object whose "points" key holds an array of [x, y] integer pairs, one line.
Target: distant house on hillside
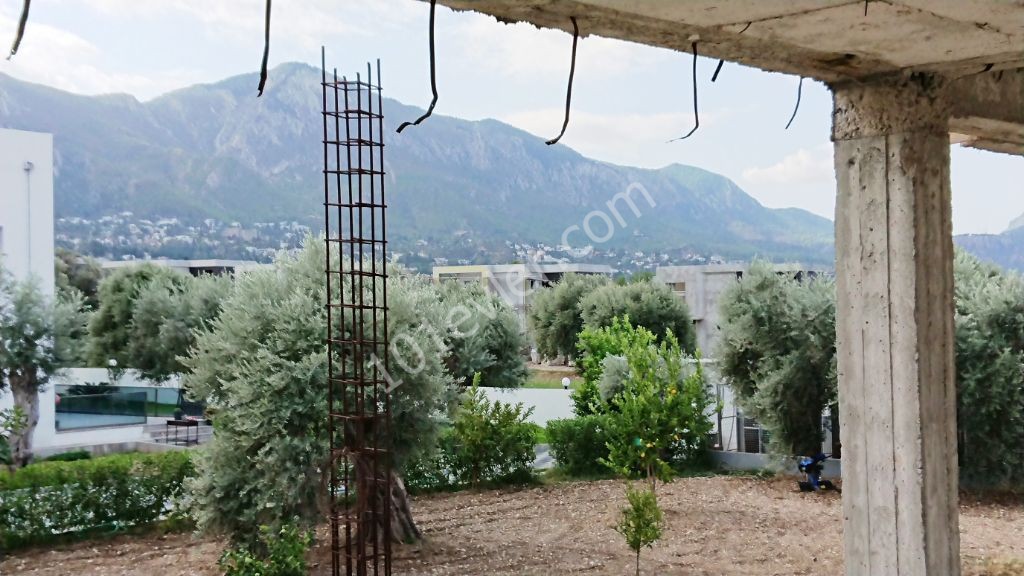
{"points": [[515, 283]]}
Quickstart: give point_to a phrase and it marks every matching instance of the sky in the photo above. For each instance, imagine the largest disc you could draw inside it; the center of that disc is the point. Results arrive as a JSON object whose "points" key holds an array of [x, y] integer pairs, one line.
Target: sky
{"points": [[628, 99]]}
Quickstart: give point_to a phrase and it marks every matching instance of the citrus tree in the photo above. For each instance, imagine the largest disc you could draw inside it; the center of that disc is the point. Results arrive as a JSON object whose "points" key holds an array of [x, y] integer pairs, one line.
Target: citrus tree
{"points": [[660, 415]]}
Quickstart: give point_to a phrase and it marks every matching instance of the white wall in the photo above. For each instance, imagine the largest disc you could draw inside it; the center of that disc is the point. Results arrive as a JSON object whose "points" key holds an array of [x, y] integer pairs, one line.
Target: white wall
{"points": [[46, 435], [26, 205], [547, 403], [26, 208]]}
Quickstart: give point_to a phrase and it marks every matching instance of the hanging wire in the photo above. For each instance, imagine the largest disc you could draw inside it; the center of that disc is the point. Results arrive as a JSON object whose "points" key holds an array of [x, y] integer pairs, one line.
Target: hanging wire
{"points": [[572, 72], [433, 75], [696, 116], [799, 89], [266, 52], [21, 28], [717, 70], [866, 8], [722, 61]]}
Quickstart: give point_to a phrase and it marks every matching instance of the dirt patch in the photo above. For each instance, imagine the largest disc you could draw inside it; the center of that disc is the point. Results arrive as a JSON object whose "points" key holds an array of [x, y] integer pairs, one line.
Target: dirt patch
{"points": [[714, 525]]}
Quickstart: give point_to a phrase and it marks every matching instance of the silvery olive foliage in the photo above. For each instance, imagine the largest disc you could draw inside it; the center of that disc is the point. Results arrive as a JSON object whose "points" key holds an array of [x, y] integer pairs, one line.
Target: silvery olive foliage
{"points": [[262, 367]]}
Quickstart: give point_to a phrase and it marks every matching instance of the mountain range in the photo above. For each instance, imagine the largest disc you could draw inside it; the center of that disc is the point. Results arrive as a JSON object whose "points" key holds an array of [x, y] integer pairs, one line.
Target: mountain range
{"points": [[477, 191], [1006, 249]]}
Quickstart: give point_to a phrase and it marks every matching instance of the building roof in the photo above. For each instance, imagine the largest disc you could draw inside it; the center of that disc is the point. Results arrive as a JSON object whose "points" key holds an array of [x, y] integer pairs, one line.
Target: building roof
{"points": [[181, 264], [553, 268]]}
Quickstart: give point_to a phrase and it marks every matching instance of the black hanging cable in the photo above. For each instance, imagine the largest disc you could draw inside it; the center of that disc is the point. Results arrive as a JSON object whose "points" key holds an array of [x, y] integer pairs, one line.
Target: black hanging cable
{"points": [[21, 28], [866, 7], [572, 72], [696, 116], [433, 75], [722, 61], [799, 89], [266, 52], [717, 70]]}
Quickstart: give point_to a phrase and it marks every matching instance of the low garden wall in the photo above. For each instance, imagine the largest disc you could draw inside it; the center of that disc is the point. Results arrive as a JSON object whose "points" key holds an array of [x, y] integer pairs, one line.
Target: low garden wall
{"points": [[548, 404]]}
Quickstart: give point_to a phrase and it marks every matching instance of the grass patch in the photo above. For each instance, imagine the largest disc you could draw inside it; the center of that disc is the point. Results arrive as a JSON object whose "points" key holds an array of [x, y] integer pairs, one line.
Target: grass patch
{"points": [[536, 381], [540, 434]]}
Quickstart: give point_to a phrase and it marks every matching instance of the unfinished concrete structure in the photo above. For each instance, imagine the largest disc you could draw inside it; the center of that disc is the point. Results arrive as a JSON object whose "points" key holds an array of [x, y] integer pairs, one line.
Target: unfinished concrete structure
{"points": [[516, 284], [907, 76], [703, 286]]}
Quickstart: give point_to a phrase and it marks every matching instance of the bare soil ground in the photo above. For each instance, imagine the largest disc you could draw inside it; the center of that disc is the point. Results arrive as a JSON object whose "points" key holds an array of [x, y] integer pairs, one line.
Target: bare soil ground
{"points": [[716, 525]]}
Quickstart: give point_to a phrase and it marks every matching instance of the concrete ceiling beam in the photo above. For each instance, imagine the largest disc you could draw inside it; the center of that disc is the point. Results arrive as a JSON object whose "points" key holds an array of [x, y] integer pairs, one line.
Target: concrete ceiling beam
{"points": [[829, 40], [988, 111]]}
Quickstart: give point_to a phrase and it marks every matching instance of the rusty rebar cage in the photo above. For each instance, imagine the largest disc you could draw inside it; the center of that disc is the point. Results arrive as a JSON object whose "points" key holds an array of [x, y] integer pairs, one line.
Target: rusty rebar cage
{"points": [[359, 406]]}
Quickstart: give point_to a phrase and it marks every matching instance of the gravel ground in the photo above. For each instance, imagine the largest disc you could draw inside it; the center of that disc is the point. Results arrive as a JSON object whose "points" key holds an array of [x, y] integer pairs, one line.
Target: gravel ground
{"points": [[716, 525]]}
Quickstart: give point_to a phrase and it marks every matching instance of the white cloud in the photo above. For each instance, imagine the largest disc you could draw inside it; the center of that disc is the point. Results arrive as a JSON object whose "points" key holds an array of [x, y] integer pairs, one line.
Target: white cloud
{"points": [[805, 179], [627, 139], [305, 22], [64, 60], [805, 166]]}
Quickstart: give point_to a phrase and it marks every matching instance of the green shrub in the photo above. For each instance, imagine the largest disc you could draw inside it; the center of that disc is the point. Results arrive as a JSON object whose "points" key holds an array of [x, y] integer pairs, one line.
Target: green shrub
{"points": [[578, 444], [49, 499], [586, 399], [427, 473], [279, 554], [489, 442], [640, 523], [12, 421], [68, 456], [659, 420]]}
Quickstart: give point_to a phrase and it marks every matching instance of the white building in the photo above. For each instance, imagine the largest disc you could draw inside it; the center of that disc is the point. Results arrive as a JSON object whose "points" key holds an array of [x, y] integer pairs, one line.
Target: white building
{"points": [[26, 205], [193, 267], [26, 222]]}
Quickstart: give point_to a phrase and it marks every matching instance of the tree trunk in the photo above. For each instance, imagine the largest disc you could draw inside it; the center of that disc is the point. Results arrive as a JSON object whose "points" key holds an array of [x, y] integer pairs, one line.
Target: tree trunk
{"points": [[403, 527], [25, 390], [638, 563]]}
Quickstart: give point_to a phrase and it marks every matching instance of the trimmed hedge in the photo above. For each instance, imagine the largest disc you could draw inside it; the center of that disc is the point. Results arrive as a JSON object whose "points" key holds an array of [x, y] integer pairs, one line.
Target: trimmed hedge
{"points": [[50, 499], [578, 443], [67, 456]]}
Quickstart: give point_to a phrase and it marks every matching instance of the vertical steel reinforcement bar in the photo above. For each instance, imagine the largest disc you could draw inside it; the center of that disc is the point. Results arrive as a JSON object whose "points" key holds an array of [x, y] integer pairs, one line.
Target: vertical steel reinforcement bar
{"points": [[359, 406]]}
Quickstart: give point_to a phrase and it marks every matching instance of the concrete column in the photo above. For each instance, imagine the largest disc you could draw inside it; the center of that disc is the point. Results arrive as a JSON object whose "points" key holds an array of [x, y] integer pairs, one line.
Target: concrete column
{"points": [[894, 269]]}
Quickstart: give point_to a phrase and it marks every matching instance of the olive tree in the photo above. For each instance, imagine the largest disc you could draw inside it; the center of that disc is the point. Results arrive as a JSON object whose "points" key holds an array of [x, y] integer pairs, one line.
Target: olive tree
{"points": [[990, 372], [34, 344], [778, 352], [166, 315], [83, 273], [485, 337], [647, 304], [262, 368], [110, 328], [555, 315]]}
